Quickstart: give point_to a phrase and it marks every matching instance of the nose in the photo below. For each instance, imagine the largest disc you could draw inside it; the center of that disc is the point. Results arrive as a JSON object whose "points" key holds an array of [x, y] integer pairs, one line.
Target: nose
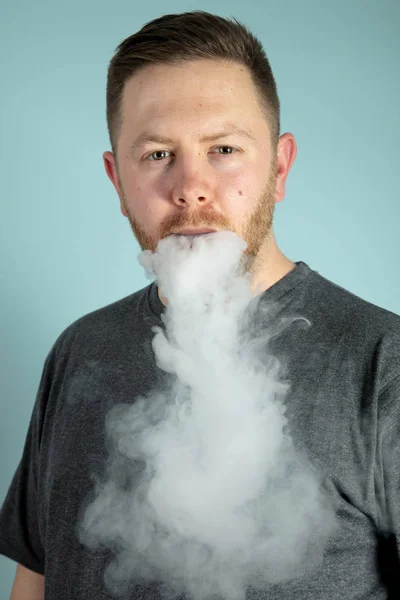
{"points": [[191, 188]]}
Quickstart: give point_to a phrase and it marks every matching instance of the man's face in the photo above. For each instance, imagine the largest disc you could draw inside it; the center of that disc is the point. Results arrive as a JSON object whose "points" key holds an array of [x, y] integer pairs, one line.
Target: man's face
{"points": [[229, 182]]}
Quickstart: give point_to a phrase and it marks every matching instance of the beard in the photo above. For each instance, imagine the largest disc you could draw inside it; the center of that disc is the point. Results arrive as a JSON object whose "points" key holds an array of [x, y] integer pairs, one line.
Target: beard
{"points": [[254, 229]]}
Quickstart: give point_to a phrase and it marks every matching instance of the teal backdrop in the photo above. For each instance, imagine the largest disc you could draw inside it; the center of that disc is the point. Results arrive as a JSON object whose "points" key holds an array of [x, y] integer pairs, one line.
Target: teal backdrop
{"points": [[65, 247]]}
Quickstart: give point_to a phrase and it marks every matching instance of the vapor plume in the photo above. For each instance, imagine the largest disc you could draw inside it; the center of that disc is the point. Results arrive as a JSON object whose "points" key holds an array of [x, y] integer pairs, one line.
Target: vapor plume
{"points": [[204, 490]]}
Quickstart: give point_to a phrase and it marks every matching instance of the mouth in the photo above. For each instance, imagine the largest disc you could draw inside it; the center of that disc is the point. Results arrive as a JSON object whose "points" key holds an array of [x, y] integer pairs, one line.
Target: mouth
{"points": [[194, 231]]}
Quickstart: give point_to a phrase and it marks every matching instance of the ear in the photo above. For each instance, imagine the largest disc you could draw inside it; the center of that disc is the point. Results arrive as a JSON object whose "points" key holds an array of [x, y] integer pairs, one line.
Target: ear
{"points": [[112, 172], [286, 154]]}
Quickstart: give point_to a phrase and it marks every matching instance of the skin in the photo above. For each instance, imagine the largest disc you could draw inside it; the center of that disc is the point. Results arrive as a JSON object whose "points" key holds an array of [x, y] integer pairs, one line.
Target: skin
{"points": [[229, 183]]}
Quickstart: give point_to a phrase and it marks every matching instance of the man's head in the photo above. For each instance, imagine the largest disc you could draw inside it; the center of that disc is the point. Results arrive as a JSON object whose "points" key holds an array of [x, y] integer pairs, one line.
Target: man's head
{"points": [[181, 80]]}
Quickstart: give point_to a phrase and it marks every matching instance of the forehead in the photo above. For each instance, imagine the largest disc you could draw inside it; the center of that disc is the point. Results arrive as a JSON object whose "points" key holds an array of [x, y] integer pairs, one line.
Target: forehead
{"points": [[190, 90]]}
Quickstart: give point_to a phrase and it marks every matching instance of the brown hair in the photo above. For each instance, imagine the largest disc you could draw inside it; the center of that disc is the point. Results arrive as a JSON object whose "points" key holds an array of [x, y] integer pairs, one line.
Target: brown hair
{"points": [[175, 38]]}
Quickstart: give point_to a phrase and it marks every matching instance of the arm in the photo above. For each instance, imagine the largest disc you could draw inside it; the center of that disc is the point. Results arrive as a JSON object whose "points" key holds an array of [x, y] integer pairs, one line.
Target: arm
{"points": [[28, 585], [20, 538], [387, 483]]}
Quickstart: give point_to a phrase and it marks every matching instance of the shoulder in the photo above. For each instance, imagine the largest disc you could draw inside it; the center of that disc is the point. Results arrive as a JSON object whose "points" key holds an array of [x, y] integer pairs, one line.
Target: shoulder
{"points": [[359, 324], [105, 324], [346, 305]]}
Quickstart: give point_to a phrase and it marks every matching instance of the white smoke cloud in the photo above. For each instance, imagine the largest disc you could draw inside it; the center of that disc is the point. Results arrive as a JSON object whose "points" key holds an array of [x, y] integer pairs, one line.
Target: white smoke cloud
{"points": [[204, 490]]}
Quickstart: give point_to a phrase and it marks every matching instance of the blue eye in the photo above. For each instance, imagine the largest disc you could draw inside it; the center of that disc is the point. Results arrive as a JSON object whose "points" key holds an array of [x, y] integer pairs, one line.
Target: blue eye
{"points": [[166, 151]]}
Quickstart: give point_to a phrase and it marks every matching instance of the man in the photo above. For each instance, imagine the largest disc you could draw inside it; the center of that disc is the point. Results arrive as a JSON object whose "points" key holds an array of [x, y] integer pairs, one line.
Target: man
{"points": [[193, 116]]}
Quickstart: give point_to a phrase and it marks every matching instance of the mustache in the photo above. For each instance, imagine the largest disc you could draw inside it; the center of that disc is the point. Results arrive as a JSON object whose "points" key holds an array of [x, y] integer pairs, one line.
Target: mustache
{"points": [[198, 219]]}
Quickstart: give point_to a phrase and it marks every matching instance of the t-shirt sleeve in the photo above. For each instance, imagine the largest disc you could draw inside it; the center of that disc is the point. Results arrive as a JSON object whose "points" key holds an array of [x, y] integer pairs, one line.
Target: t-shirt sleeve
{"points": [[20, 538], [388, 469]]}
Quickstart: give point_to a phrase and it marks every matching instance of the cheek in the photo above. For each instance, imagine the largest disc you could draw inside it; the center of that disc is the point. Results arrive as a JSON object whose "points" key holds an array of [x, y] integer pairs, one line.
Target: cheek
{"points": [[242, 197], [140, 204], [148, 212], [151, 212]]}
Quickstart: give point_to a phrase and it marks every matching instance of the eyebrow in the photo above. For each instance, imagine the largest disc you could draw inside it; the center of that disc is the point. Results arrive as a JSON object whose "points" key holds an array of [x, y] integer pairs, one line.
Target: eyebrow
{"points": [[230, 129]]}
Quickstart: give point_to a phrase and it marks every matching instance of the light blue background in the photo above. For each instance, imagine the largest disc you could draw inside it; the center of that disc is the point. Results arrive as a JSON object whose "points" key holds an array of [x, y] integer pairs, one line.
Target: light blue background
{"points": [[65, 247]]}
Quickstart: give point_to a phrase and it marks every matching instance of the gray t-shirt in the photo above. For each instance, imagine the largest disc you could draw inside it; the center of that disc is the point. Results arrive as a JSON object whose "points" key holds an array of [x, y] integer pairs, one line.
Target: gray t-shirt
{"points": [[343, 408]]}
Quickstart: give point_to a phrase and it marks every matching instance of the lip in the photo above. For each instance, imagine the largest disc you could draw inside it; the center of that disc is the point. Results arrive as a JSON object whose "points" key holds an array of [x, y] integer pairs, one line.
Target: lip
{"points": [[194, 231]]}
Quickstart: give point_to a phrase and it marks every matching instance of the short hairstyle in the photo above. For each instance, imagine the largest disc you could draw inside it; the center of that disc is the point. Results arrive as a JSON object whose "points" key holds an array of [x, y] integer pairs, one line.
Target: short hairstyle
{"points": [[175, 38]]}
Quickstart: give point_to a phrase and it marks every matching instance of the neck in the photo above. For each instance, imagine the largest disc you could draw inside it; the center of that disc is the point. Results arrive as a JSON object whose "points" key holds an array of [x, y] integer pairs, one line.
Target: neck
{"points": [[268, 268]]}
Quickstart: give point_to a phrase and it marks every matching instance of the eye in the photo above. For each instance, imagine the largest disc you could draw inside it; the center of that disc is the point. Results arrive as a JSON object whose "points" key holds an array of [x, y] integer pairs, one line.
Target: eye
{"points": [[229, 147], [156, 152], [150, 157]]}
